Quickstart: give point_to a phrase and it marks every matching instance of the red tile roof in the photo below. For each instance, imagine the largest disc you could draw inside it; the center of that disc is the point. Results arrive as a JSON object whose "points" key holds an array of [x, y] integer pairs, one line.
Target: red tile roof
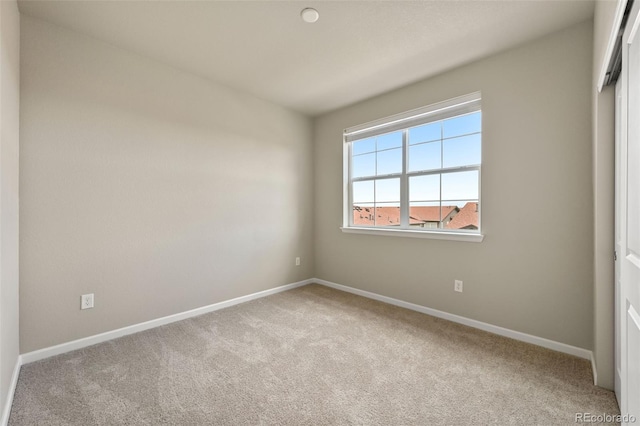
{"points": [[430, 213], [467, 218], [390, 216], [365, 216]]}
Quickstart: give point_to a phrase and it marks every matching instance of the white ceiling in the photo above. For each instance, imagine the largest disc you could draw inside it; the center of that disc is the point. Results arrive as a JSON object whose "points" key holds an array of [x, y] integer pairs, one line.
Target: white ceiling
{"points": [[356, 50]]}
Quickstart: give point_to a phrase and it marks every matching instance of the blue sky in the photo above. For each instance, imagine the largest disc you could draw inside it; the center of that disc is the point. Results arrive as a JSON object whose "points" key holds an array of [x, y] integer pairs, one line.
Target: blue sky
{"points": [[453, 142]]}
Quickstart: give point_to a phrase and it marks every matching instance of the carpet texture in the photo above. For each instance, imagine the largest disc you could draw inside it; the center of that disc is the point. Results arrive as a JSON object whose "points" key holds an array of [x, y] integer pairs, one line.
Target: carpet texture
{"points": [[309, 356]]}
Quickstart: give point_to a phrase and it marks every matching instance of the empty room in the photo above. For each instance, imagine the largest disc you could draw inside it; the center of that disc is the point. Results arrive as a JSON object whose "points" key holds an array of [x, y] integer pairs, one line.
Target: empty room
{"points": [[325, 212]]}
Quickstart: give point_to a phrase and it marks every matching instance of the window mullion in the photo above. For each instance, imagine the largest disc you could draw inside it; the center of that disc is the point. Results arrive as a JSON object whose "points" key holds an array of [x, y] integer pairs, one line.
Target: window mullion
{"points": [[381, 177], [350, 189], [441, 167], [438, 171], [404, 182]]}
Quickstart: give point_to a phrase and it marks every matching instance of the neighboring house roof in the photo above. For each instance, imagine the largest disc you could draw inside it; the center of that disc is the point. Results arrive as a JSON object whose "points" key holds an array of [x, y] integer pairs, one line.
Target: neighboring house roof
{"points": [[431, 213], [467, 218], [366, 215], [391, 215]]}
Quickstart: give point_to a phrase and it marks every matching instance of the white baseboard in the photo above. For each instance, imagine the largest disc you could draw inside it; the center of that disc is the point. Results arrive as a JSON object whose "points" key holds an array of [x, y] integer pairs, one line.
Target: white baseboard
{"points": [[109, 335], [594, 369], [12, 389], [528, 338], [99, 338]]}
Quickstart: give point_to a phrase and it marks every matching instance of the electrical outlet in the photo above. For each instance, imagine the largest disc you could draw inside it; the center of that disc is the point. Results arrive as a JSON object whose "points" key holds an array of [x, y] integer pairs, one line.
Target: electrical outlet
{"points": [[297, 261], [457, 286], [86, 301]]}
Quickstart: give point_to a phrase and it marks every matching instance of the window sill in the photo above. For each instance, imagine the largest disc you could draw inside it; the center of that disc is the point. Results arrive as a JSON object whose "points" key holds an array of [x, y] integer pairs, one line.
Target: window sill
{"points": [[451, 236]]}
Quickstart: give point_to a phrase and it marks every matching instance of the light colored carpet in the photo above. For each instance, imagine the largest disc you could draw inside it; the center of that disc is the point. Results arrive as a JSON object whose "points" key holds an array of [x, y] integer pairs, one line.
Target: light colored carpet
{"points": [[309, 356]]}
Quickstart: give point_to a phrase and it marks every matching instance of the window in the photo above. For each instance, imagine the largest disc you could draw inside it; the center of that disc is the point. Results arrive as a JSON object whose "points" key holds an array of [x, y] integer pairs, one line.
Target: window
{"points": [[417, 171]]}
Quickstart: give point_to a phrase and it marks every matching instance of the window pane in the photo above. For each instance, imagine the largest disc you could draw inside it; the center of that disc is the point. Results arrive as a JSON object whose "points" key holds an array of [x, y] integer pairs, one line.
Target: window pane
{"points": [[364, 165], [387, 215], [424, 215], [388, 190], [363, 192], [439, 163], [424, 188], [460, 186], [363, 146], [465, 218], [426, 133], [364, 215], [462, 125], [390, 140], [386, 209], [462, 151], [424, 157], [390, 161]]}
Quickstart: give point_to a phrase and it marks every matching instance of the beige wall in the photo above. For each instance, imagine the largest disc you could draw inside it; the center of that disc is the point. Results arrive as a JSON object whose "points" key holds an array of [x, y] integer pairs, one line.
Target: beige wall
{"points": [[603, 191], [9, 126], [534, 271], [154, 189]]}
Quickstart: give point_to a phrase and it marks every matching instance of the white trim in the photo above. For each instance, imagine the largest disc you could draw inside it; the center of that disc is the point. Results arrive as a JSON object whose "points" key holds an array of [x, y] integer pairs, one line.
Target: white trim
{"points": [[617, 21], [453, 236], [114, 334], [618, 384], [633, 14], [99, 338], [594, 369], [347, 194], [12, 389], [523, 337], [438, 111]]}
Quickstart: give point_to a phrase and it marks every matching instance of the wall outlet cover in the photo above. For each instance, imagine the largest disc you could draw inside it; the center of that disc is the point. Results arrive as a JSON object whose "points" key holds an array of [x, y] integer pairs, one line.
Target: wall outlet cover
{"points": [[86, 301]]}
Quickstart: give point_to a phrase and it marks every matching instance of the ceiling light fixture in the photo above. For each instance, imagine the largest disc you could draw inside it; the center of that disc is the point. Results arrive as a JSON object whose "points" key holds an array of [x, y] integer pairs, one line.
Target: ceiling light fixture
{"points": [[309, 15]]}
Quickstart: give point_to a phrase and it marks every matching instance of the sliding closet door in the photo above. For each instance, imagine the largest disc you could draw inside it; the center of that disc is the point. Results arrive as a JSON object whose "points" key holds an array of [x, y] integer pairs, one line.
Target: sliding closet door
{"points": [[628, 220]]}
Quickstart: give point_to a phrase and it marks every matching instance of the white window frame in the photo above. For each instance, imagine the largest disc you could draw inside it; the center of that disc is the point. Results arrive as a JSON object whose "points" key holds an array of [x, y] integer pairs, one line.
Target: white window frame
{"points": [[435, 112]]}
